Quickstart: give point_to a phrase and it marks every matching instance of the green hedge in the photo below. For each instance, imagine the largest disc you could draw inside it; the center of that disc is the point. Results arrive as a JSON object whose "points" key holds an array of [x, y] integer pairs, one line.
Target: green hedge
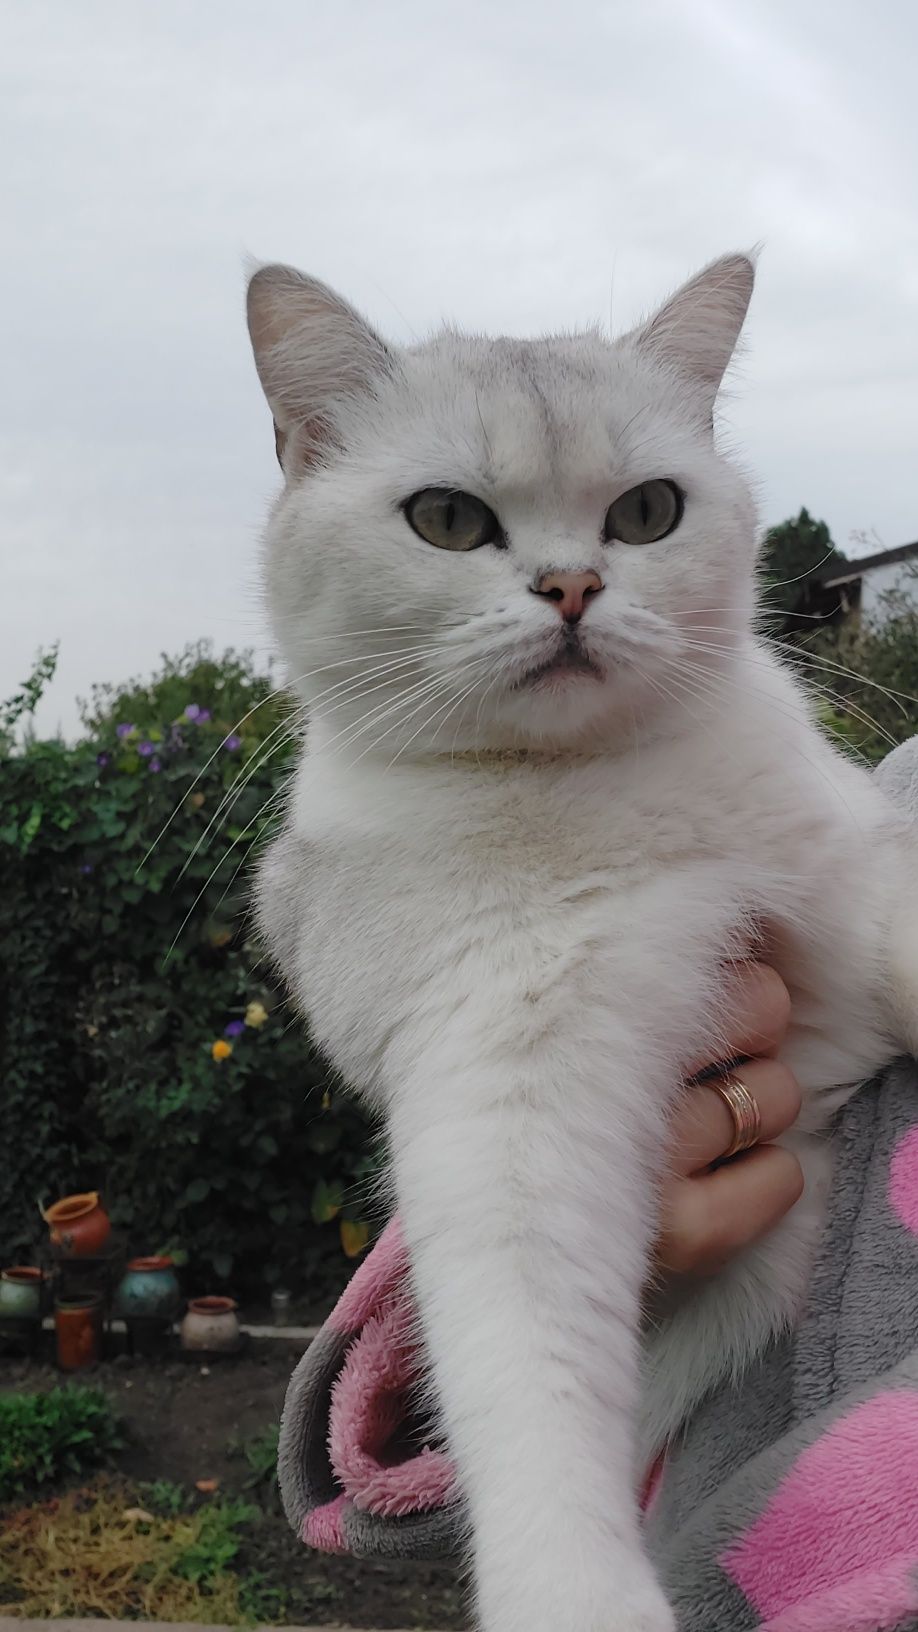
{"points": [[122, 984]]}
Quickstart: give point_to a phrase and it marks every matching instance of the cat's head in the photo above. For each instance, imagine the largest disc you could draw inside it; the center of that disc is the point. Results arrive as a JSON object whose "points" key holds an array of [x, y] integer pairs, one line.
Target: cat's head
{"points": [[491, 543]]}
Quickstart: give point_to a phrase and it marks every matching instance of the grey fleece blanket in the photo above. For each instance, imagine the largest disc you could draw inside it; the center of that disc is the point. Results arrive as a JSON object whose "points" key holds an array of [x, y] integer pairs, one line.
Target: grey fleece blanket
{"points": [[788, 1504]]}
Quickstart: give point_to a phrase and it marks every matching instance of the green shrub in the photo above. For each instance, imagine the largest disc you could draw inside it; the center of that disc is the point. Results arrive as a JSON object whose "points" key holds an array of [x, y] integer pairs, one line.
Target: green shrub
{"points": [[260, 1452], [163, 1497], [47, 1437], [128, 967], [216, 1541]]}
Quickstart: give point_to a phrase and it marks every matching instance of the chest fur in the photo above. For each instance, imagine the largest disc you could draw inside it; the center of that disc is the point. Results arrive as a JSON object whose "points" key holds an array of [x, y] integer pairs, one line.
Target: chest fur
{"points": [[402, 906]]}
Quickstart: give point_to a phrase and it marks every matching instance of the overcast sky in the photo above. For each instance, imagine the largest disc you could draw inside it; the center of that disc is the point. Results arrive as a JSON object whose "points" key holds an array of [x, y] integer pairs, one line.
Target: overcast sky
{"points": [[506, 166]]}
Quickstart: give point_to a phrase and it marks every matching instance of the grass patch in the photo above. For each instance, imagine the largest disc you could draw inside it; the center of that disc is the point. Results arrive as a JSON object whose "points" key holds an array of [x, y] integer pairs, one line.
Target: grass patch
{"points": [[97, 1553], [45, 1438]]}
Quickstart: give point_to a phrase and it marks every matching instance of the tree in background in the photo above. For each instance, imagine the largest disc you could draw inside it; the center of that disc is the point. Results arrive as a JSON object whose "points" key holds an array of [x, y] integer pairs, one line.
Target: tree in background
{"points": [[794, 551]]}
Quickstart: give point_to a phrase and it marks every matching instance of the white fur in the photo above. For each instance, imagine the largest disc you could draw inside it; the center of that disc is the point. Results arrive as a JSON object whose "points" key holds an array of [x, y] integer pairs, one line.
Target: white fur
{"points": [[505, 907]]}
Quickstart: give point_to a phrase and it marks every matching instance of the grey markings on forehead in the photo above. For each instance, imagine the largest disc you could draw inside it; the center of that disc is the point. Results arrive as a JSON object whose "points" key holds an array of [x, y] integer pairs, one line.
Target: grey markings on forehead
{"points": [[544, 371]]}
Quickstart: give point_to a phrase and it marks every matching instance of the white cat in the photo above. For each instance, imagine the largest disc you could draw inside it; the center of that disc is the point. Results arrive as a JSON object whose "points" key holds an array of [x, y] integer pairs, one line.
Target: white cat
{"points": [[551, 780]]}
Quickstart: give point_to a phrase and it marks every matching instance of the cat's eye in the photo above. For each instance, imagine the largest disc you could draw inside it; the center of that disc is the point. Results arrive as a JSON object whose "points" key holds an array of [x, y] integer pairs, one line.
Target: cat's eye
{"points": [[451, 520], [644, 514]]}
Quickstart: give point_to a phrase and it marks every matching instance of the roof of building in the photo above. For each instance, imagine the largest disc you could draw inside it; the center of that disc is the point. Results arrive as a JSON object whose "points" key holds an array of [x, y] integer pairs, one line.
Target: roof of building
{"points": [[866, 563]]}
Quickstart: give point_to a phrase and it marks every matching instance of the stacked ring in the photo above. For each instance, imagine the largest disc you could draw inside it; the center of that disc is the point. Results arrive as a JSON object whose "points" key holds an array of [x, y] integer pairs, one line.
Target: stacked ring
{"points": [[744, 1109]]}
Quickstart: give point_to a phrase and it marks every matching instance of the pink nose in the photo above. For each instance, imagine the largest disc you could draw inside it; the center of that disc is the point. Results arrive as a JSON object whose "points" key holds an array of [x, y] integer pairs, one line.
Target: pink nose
{"points": [[569, 591]]}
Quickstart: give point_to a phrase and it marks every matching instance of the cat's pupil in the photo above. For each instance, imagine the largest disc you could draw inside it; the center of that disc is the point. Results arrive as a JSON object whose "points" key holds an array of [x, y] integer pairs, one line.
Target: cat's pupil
{"points": [[450, 515], [645, 507]]}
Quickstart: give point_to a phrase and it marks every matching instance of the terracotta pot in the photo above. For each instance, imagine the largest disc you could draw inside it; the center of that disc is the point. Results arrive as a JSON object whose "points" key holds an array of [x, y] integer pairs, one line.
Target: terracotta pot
{"points": [[211, 1326], [80, 1226], [21, 1289], [149, 1290], [78, 1325]]}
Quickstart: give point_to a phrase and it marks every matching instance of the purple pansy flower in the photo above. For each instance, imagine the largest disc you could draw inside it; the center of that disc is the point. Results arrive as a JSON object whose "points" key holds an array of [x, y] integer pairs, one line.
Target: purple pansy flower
{"points": [[155, 765], [234, 1029], [192, 712], [86, 867], [232, 742], [203, 714], [146, 748], [123, 730], [102, 760]]}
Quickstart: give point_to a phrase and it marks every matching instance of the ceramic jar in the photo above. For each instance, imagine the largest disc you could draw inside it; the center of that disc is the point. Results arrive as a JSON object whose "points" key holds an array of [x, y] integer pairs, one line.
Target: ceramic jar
{"points": [[148, 1290], [211, 1326], [21, 1293], [80, 1226], [78, 1327]]}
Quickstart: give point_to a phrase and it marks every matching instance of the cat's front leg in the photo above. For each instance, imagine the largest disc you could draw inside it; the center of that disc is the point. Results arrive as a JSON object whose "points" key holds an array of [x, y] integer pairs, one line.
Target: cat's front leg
{"points": [[527, 1205]]}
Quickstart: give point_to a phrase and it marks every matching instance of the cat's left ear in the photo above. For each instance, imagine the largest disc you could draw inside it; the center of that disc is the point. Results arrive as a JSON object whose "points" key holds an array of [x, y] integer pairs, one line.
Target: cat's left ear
{"points": [[313, 353], [697, 330]]}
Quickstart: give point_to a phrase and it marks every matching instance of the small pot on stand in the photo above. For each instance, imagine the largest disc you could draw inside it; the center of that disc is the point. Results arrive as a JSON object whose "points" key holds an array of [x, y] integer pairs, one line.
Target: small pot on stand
{"points": [[22, 1304], [78, 1328], [80, 1227], [211, 1327], [147, 1299]]}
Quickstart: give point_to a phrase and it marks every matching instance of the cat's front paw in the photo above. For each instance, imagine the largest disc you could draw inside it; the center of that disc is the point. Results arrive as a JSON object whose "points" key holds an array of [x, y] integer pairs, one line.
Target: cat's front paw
{"points": [[637, 1607]]}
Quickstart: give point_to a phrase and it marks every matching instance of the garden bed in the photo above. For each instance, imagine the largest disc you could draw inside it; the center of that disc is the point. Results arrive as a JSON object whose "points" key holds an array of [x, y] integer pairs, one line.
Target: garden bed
{"points": [[186, 1422]]}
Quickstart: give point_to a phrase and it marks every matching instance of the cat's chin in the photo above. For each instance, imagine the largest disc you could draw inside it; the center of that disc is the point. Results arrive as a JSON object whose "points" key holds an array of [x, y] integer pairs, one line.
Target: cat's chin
{"points": [[565, 669], [561, 709]]}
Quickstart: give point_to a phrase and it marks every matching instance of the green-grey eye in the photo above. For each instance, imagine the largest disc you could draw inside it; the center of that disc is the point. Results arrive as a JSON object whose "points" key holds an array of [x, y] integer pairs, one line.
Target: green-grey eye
{"points": [[452, 521], [645, 513]]}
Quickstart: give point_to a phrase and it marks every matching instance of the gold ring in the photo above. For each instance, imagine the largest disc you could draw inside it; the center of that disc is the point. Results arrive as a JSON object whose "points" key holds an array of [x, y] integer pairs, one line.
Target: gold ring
{"points": [[744, 1109]]}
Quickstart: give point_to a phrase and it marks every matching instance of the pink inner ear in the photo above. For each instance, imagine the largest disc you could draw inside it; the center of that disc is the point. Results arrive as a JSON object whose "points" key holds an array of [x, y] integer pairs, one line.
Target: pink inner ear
{"points": [[842, 1527]]}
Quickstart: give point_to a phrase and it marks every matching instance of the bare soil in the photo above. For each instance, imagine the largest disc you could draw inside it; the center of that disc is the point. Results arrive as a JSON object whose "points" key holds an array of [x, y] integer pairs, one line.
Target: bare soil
{"points": [[183, 1420]]}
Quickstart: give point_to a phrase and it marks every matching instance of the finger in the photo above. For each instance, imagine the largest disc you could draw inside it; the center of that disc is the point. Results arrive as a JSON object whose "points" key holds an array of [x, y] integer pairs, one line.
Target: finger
{"points": [[707, 1221], [703, 1128], [756, 1014]]}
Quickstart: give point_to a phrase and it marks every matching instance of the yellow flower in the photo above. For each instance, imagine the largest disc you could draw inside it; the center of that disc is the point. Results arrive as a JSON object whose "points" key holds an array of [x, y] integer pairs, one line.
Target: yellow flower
{"points": [[256, 1014], [221, 1050]]}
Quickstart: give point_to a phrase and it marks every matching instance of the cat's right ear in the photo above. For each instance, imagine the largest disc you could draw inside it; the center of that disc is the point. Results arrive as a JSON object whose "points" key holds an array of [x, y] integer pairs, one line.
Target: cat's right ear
{"points": [[697, 330], [312, 353]]}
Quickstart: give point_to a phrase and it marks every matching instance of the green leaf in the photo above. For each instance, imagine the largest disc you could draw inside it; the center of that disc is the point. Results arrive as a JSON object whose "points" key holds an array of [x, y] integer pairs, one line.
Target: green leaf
{"points": [[197, 1190], [31, 825], [327, 1201]]}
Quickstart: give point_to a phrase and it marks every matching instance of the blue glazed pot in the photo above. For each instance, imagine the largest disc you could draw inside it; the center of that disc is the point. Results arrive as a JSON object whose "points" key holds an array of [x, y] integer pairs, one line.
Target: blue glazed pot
{"points": [[149, 1290]]}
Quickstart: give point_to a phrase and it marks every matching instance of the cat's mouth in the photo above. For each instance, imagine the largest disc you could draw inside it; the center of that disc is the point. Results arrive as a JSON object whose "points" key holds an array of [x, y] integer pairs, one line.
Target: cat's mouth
{"points": [[568, 662]]}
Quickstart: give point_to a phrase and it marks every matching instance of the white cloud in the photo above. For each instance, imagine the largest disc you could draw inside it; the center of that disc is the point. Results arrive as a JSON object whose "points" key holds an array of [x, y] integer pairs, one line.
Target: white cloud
{"points": [[505, 166]]}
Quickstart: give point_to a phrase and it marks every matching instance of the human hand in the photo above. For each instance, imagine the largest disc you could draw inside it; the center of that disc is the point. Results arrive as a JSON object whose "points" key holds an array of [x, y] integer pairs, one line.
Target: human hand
{"points": [[710, 1213]]}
